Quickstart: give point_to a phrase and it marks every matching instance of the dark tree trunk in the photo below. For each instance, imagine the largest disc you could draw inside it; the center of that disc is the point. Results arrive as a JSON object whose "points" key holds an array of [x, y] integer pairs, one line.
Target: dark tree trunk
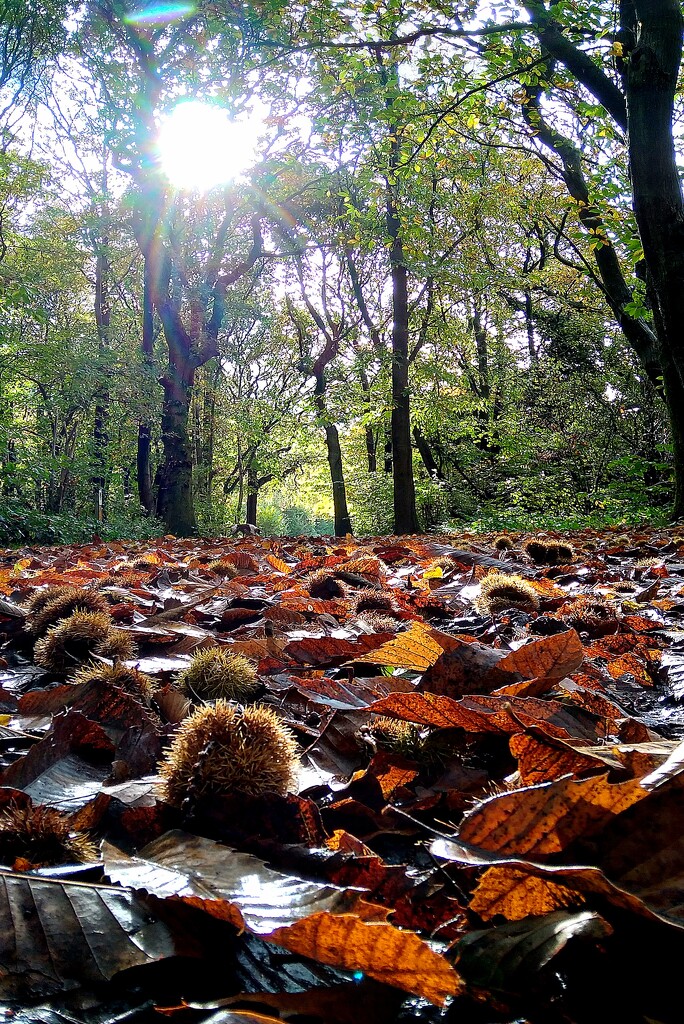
{"points": [[332, 441], [650, 76], [371, 444], [143, 460], [101, 415], [529, 327], [174, 500], [650, 36], [252, 496], [334, 454], [387, 452], [425, 452], [405, 518]]}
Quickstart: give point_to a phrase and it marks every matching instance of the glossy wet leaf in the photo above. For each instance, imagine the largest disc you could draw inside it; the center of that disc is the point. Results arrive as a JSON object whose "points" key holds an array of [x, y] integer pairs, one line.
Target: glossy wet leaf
{"points": [[205, 873], [59, 935]]}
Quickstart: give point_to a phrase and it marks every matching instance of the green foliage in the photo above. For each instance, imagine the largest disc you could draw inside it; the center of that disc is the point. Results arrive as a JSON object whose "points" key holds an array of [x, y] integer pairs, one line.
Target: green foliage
{"points": [[21, 524], [370, 502], [297, 522]]}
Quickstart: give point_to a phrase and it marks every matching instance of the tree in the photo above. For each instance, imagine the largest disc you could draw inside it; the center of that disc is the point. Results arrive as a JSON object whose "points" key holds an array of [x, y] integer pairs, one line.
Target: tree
{"points": [[188, 294]]}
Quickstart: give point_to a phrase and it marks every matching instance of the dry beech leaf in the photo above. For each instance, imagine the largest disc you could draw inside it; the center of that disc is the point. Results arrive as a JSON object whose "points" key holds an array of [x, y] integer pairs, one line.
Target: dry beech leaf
{"points": [[542, 760], [394, 957], [227, 884], [416, 649], [550, 658], [546, 819], [59, 935], [517, 894], [629, 664], [278, 564], [515, 888], [673, 766], [483, 713]]}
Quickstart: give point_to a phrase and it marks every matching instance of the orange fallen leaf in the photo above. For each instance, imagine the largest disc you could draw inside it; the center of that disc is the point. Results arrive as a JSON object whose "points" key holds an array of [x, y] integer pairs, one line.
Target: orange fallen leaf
{"points": [[415, 649], [394, 957], [545, 819]]}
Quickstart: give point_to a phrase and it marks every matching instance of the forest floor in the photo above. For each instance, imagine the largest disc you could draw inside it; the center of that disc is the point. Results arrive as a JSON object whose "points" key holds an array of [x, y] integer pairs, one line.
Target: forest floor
{"points": [[486, 818]]}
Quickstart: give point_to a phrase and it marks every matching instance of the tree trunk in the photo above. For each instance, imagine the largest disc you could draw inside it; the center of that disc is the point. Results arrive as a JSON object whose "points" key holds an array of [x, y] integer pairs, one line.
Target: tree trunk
{"points": [[101, 415], [332, 441], [371, 445], [405, 520], [174, 501], [425, 452], [252, 496], [650, 77], [143, 462]]}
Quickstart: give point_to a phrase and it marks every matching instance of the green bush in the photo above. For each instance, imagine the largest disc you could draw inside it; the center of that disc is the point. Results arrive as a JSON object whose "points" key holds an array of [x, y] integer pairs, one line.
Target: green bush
{"points": [[297, 522], [20, 524], [371, 503]]}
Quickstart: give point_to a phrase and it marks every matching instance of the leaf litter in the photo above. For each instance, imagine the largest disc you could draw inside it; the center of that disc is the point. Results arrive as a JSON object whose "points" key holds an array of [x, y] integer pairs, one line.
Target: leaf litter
{"points": [[485, 810]]}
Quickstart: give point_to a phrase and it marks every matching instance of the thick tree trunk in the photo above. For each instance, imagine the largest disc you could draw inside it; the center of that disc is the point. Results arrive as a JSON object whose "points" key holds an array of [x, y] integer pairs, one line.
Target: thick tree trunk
{"points": [[143, 461], [650, 76], [332, 441], [405, 519], [174, 501]]}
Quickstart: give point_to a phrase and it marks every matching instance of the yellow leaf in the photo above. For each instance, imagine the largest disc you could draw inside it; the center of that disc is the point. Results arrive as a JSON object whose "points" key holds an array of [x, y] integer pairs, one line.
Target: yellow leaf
{"points": [[433, 574], [415, 649]]}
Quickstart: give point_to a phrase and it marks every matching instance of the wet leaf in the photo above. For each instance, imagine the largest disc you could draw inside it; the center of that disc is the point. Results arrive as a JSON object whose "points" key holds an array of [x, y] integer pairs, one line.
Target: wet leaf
{"points": [[57, 935], [234, 886], [507, 958]]}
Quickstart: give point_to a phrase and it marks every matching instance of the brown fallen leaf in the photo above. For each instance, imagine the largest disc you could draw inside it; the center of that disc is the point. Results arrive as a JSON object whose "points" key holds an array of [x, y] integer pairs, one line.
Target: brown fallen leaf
{"points": [[394, 957], [551, 658], [57, 935], [416, 649], [485, 713], [545, 819]]}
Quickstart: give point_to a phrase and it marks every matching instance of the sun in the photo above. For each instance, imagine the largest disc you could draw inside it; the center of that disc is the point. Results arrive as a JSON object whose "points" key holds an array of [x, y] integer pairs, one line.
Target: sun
{"points": [[200, 146]]}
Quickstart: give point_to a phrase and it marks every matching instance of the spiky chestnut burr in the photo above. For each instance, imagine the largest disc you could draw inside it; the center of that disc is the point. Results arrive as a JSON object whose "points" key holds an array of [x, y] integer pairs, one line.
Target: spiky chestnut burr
{"points": [[217, 673], [136, 684], [61, 605], [224, 567], [42, 836], [371, 600], [322, 584], [549, 552], [72, 641], [592, 613], [499, 591], [224, 750], [503, 543], [396, 736], [380, 623]]}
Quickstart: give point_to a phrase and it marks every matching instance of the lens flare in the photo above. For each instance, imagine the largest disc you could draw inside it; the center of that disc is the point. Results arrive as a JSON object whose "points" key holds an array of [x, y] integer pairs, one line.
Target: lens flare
{"points": [[159, 14], [201, 147]]}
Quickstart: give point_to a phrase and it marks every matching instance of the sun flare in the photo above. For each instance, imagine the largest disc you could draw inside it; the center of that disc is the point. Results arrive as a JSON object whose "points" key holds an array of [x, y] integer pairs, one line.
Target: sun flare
{"points": [[200, 146]]}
